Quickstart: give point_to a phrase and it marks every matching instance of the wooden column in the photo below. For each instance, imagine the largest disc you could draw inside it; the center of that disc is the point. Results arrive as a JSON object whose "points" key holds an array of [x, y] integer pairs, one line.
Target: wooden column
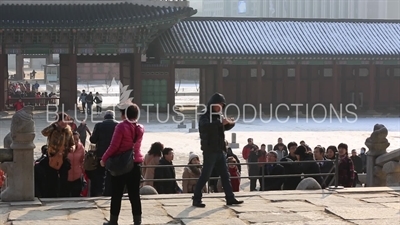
{"points": [[372, 88], [259, 84], [219, 78], [136, 78], [298, 82], [19, 67], [335, 81], [68, 81], [203, 90], [3, 81], [171, 85]]}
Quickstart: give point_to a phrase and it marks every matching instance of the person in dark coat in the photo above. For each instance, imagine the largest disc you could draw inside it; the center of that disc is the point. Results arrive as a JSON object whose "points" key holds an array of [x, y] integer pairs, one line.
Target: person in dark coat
{"points": [[327, 166], [346, 167], [83, 129], [357, 161], [363, 157], [101, 136], [253, 168], [302, 154], [290, 183], [212, 126], [166, 187], [273, 183]]}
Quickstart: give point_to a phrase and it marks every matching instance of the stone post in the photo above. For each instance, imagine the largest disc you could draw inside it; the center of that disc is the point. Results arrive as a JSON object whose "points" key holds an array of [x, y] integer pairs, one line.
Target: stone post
{"points": [[193, 129], [19, 172], [233, 144], [377, 145], [269, 147]]}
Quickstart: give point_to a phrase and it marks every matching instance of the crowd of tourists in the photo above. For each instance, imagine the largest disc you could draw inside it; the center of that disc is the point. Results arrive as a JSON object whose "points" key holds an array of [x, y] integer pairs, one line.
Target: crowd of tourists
{"points": [[114, 165], [27, 94]]}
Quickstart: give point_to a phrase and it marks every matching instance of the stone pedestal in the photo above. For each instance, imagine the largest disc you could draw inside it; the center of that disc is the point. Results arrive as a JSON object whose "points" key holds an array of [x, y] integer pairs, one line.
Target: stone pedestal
{"points": [[392, 170], [181, 125], [19, 172], [233, 144]]}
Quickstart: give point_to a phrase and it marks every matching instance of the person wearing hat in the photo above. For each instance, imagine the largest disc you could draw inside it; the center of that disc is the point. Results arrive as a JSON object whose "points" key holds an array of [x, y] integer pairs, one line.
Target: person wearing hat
{"points": [[192, 172], [101, 137], [212, 126]]}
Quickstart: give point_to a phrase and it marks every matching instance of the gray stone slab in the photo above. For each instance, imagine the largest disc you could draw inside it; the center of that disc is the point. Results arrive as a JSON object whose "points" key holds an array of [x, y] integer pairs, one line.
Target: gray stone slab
{"points": [[4, 212], [184, 212], [265, 208], [61, 222], [267, 218], [393, 205], [35, 202], [296, 206], [382, 200], [87, 215], [376, 221], [364, 213], [230, 221], [38, 215], [147, 211], [368, 190], [394, 193], [279, 198], [71, 205], [390, 156], [334, 200], [317, 222], [366, 195]]}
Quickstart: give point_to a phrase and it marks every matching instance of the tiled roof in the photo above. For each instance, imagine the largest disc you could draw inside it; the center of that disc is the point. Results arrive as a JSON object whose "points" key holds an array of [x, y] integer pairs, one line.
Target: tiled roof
{"points": [[87, 15], [230, 37]]}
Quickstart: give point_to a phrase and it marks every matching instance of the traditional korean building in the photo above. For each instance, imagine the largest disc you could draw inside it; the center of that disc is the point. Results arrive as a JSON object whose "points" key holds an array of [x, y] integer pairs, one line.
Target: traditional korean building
{"points": [[85, 33], [250, 60], [291, 61]]}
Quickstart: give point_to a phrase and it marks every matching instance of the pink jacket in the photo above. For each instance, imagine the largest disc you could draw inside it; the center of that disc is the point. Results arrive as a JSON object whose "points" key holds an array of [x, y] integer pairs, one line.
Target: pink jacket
{"points": [[122, 141], [76, 158]]}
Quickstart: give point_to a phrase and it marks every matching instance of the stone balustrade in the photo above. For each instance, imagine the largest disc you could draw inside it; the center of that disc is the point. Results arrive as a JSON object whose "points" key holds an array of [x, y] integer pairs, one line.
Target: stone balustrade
{"points": [[383, 168], [18, 159]]}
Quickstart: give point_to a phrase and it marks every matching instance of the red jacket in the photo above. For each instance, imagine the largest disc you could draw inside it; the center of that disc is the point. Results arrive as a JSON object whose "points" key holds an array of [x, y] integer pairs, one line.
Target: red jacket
{"points": [[246, 150], [122, 140], [18, 106], [235, 182]]}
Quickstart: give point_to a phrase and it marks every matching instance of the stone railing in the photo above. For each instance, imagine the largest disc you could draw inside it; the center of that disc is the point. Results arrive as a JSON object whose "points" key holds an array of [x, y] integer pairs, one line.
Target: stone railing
{"points": [[383, 168], [166, 3], [17, 158]]}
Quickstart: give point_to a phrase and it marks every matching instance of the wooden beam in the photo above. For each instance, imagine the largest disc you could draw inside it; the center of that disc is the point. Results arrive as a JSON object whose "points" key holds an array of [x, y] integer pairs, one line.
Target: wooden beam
{"points": [[6, 155], [3, 81], [372, 83]]}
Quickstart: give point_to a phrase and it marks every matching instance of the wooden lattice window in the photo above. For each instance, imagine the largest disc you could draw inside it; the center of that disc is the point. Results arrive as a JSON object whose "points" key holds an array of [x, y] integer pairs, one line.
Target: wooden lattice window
{"points": [[105, 37], [120, 36], [55, 37], [37, 37], [18, 37]]}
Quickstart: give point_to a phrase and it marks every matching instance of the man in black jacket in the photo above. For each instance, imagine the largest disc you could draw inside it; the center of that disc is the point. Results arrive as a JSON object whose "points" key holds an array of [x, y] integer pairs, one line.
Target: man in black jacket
{"points": [[212, 125], [101, 136], [273, 183], [166, 187]]}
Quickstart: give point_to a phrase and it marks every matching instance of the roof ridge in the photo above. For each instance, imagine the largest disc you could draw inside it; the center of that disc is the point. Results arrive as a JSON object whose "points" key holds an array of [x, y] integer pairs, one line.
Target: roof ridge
{"points": [[270, 19]]}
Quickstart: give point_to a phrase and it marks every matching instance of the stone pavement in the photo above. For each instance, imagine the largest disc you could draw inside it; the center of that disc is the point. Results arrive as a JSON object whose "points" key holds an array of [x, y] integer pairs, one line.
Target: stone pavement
{"points": [[362, 206]]}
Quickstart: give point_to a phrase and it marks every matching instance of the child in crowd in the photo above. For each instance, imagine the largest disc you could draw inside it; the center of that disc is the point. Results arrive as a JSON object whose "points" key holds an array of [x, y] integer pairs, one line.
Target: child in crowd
{"points": [[234, 172]]}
